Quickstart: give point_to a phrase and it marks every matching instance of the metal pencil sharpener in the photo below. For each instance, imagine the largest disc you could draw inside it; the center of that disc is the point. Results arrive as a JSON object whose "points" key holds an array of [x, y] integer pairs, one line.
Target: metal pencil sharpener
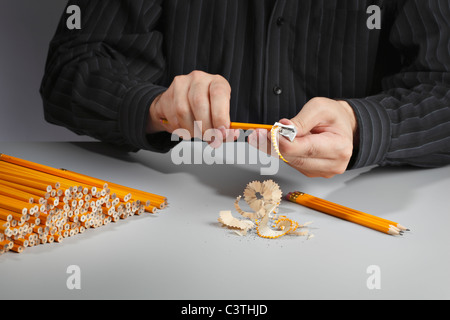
{"points": [[287, 131]]}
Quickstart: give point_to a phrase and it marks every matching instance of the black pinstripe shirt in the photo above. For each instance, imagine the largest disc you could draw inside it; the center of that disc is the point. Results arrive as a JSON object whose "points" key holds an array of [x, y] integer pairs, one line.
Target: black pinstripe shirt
{"points": [[101, 80]]}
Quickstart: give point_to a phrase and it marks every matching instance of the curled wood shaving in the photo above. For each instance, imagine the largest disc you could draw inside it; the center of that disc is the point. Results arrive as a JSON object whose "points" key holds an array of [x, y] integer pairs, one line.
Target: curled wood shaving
{"points": [[249, 215], [275, 135], [250, 197], [227, 219], [262, 195], [263, 219], [265, 231]]}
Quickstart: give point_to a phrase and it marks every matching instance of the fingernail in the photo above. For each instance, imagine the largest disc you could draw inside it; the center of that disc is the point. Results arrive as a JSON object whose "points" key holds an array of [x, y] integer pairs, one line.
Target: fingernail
{"points": [[236, 134], [251, 139]]}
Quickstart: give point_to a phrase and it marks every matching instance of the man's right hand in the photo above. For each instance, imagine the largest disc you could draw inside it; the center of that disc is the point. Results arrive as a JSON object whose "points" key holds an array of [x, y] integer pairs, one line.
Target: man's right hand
{"points": [[198, 96]]}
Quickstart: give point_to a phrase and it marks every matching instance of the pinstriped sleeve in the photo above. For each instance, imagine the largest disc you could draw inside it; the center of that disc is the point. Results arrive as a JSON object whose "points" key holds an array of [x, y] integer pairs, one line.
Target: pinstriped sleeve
{"points": [[100, 80], [409, 122]]}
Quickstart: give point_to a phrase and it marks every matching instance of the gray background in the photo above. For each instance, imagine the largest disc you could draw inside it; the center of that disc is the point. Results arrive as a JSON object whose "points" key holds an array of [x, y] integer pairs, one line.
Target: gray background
{"points": [[26, 28]]}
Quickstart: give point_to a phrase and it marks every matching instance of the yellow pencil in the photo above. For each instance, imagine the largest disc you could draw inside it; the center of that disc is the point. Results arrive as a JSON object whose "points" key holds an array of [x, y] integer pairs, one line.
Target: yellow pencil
{"points": [[240, 125], [339, 211]]}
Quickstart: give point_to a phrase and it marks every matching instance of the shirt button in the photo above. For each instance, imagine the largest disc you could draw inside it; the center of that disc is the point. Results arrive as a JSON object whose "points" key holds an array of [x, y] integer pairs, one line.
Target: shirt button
{"points": [[277, 90], [280, 21]]}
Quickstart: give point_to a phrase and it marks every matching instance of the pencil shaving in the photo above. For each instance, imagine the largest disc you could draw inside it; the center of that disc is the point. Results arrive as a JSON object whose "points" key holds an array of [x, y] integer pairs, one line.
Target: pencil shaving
{"points": [[246, 214], [228, 220], [264, 199], [275, 137], [261, 195], [282, 227]]}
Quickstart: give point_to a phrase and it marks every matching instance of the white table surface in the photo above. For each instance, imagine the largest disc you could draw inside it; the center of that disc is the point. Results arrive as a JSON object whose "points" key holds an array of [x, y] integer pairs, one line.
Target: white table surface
{"points": [[182, 252]]}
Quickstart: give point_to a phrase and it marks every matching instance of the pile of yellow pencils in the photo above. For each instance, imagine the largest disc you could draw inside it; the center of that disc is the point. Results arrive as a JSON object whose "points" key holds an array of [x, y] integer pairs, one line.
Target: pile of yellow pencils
{"points": [[40, 204]]}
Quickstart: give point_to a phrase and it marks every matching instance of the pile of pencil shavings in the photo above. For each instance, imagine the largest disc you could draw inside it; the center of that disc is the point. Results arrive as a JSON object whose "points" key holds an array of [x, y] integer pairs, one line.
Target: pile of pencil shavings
{"points": [[41, 205], [264, 199]]}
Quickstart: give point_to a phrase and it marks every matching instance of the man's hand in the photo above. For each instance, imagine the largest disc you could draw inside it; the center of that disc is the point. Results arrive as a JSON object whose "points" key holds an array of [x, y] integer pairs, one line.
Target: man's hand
{"points": [[198, 96], [324, 142]]}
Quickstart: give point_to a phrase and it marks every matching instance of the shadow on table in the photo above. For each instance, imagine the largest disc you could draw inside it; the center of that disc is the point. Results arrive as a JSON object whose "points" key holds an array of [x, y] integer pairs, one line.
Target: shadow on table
{"points": [[386, 190], [227, 179], [382, 189]]}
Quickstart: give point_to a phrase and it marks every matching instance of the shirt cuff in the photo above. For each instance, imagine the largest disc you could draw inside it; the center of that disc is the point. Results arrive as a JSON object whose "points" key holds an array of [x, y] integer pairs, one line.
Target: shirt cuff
{"points": [[134, 115], [374, 127]]}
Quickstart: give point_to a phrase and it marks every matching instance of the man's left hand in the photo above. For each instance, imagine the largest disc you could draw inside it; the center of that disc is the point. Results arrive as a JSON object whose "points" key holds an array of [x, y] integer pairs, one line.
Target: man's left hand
{"points": [[325, 139]]}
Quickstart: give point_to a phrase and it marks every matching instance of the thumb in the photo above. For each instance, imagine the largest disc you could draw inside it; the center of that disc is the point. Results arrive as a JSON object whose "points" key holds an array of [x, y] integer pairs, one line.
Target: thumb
{"points": [[303, 121], [312, 114]]}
